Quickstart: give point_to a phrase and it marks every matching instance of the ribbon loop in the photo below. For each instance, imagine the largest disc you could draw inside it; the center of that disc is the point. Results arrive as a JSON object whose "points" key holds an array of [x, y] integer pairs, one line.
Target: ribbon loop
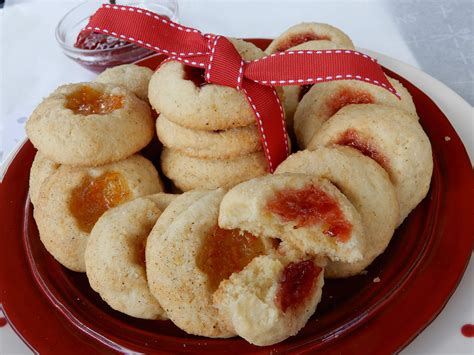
{"points": [[226, 66]]}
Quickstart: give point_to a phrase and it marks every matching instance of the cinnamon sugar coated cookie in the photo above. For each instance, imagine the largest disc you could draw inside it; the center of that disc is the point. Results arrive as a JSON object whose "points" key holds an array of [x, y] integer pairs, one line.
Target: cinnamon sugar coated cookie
{"points": [[221, 144], [90, 124], [179, 275], [308, 31], [115, 256], [189, 173], [73, 198], [365, 184], [41, 169], [305, 211], [273, 297], [325, 99], [183, 96], [393, 139], [130, 76]]}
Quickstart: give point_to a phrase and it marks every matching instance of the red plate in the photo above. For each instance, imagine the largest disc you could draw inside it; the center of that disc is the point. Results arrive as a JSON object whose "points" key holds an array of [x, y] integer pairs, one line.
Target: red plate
{"points": [[54, 309]]}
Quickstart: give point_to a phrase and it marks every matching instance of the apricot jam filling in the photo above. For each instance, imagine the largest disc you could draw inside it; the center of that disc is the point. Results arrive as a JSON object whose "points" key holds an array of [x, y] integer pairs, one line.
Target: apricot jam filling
{"points": [[298, 39], [88, 101], [95, 195], [296, 284], [225, 251], [346, 97], [351, 138], [311, 206]]}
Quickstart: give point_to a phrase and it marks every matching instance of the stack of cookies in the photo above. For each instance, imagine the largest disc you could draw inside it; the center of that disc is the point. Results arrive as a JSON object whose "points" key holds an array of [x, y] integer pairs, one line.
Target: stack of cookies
{"points": [[88, 136], [208, 131]]}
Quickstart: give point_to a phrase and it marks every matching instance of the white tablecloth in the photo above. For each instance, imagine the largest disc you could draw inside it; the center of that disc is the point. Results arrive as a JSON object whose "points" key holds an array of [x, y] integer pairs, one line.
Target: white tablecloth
{"points": [[32, 65]]}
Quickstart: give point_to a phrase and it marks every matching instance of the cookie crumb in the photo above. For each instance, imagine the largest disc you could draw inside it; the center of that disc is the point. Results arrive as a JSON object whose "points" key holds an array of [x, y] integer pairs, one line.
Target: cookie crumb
{"points": [[364, 272], [377, 279], [447, 138]]}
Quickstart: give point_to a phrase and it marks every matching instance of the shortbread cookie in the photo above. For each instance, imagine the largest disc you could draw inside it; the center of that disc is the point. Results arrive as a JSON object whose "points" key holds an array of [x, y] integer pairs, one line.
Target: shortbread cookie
{"points": [[365, 184], [188, 256], [183, 96], [41, 169], [294, 93], [130, 76], [189, 173], [393, 139], [115, 256], [73, 198], [273, 297], [303, 210], [308, 31], [325, 99], [221, 144], [90, 124]]}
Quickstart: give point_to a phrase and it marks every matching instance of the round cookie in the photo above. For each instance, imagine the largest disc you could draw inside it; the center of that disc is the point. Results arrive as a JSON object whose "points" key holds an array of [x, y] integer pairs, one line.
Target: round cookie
{"points": [[188, 256], [294, 93], [130, 76], [90, 124], [73, 198], [325, 99], [115, 256], [182, 95], [307, 212], [273, 297], [365, 184], [391, 137], [308, 31], [41, 169], [221, 144], [189, 173]]}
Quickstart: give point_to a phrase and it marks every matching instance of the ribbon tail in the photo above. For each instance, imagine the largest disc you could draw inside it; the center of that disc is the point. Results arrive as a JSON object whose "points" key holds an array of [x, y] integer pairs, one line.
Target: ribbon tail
{"points": [[152, 31], [270, 121]]}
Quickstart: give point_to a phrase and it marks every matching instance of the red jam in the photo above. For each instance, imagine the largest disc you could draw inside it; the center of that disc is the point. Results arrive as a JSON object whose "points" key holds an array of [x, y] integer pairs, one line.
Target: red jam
{"points": [[97, 41], [351, 138], [101, 51], [298, 39], [311, 206], [94, 196], [468, 330], [304, 90], [196, 75], [347, 97], [87, 101], [224, 252], [296, 284]]}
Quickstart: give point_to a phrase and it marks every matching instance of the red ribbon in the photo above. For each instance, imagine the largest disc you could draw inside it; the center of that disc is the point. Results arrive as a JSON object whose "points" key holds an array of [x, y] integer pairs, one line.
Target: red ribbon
{"points": [[224, 66]]}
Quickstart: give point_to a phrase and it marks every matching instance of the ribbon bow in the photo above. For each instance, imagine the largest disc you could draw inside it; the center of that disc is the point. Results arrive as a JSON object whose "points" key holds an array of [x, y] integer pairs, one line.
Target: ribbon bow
{"points": [[224, 66]]}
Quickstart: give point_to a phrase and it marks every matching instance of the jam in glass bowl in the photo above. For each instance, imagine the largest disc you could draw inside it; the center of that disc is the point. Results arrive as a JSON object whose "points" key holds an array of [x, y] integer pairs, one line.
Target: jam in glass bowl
{"points": [[96, 51]]}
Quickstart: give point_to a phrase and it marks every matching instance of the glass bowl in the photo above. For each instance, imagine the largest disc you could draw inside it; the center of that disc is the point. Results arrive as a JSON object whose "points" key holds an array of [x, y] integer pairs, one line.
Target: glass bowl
{"points": [[98, 60]]}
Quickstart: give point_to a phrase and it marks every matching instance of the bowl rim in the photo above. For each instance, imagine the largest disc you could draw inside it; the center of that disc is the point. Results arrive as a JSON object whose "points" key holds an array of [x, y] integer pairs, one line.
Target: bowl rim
{"points": [[71, 49]]}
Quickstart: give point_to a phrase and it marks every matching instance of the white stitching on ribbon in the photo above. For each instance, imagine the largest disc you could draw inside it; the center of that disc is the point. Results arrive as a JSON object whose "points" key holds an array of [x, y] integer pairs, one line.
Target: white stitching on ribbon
{"points": [[211, 58], [262, 131], [241, 74], [282, 115]]}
